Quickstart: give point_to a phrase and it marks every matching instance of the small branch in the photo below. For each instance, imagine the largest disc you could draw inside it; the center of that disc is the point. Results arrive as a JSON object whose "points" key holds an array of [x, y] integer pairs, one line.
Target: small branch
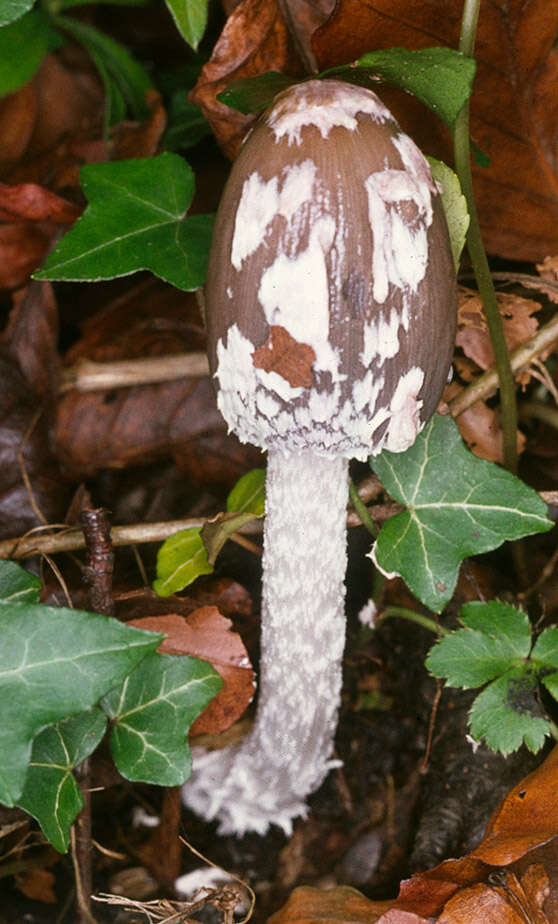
{"points": [[87, 375], [520, 359]]}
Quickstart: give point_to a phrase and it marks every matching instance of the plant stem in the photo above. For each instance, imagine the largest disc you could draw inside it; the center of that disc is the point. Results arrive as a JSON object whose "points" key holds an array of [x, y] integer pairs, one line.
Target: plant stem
{"points": [[419, 618], [478, 256], [361, 509]]}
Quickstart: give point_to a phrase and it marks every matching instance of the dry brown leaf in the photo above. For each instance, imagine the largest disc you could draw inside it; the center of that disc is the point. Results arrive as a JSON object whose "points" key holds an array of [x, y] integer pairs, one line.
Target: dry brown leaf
{"points": [[341, 905], [23, 246], [38, 884], [507, 902], [35, 203], [32, 336], [480, 427], [548, 269], [514, 107], [255, 39], [207, 634], [472, 330], [140, 139]]}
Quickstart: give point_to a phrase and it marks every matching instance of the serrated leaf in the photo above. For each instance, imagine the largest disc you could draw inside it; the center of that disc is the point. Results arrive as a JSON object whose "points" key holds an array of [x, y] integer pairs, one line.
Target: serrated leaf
{"points": [[217, 531], [125, 80], [455, 206], [17, 585], [55, 662], [457, 505], [135, 221], [152, 713], [23, 45], [466, 659], [190, 17], [10, 10], [440, 77], [545, 649], [51, 794], [248, 494], [180, 560], [551, 684], [507, 714], [505, 624]]}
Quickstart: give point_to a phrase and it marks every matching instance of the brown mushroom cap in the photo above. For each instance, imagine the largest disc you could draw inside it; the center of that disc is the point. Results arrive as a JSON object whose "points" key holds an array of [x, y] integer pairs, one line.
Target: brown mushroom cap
{"points": [[331, 293]]}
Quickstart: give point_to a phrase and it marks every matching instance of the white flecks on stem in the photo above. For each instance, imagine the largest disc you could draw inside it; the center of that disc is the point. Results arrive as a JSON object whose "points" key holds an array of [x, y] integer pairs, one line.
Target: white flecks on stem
{"points": [[288, 753], [297, 109]]}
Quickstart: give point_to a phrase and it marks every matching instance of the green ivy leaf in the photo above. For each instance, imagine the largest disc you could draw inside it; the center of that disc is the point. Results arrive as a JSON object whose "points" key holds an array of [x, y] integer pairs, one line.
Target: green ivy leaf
{"points": [[10, 10], [51, 794], [152, 713], [125, 80], [507, 713], [248, 494], [455, 206], [252, 94], [440, 77], [17, 585], [453, 511], [135, 221], [180, 560], [495, 637], [23, 45], [55, 662], [190, 18]]}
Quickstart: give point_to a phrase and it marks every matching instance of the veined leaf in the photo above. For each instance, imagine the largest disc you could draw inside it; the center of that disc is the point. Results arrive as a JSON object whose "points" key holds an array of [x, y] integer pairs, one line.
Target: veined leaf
{"points": [[215, 532], [190, 17], [51, 794], [453, 511], [10, 10], [455, 206], [248, 494], [152, 712], [507, 713], [23, 45], [17, 585], [136, 219], [180, 560]]}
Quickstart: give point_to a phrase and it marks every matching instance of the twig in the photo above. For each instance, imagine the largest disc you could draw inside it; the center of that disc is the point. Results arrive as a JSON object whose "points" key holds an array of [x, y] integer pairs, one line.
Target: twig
{"points": [[87, 375]]}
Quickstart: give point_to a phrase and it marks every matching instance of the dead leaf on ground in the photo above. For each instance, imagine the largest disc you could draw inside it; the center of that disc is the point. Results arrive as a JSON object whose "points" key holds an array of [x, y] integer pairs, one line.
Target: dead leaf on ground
{"points": [[207, 634], [341, 905], [32, 336], [514, 107], [255, 39], [509, 902], [480, 427], [38, 884], [35, 203], [140, 139]]}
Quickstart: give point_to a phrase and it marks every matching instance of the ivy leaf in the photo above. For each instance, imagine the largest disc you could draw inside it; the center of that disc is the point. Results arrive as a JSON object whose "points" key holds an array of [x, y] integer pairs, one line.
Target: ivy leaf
{"points": [[55, 662], [180, 560], [455, 206], [453, 511], [17, 585], [23, 45], [507, 713], [135, 220], [252, 94], [10, 10], [190, 18], [152, 712], [248, 494], [51, 794], [495, 637]]}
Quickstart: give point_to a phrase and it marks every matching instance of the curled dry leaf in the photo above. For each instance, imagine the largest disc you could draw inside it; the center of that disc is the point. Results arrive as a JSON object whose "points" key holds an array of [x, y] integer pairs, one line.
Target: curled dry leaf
{"points": [[514, 106], [35, 203], [32, 336], [206, 634], [140, 139], [480, 427], [255, 39], [508, 902], [23, 246]]}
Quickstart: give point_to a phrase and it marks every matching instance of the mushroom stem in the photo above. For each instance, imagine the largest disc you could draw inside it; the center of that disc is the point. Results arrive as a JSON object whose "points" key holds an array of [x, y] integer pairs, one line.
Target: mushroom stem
{"points": [[288, 752]]}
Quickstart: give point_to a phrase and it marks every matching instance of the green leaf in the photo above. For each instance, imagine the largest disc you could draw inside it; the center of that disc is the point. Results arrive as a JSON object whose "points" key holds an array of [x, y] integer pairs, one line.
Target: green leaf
{"points": [[135, 221], [10, 10], [55, 662], [217, 531], [180, 560], [187, 123], [190, 17], [455, 206], [23, 45], [252, 94], [248, 494], [69, 4], [153, 711], [440, 77], [17, 585], [545, 649], [51, 794], [126, 81], [495, 637], [507, 714], [457, 505]]}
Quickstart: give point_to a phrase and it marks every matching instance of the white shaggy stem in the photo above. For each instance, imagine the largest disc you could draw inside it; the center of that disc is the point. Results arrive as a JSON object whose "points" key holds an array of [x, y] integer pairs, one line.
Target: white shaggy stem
{"points": [[288, 752]]}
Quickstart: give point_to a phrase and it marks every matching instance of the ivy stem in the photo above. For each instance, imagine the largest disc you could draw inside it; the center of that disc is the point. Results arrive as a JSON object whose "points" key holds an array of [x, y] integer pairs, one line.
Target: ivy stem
{"points": [[477, 254], [362, 510], [419, 618]]}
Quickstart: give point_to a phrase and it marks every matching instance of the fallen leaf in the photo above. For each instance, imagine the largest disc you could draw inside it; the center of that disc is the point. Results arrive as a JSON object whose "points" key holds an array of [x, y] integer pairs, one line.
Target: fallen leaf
{"points": [[341, 905], [480, 427], [255, 39], [514, 106], [23, 245], [140, 139], [207, 634], [35, 203], [38, 884], [18, 112], [32, 336]]}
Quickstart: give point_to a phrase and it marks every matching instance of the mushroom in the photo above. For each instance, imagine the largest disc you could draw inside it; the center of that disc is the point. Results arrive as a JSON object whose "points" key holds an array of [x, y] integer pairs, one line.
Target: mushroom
{"points": [[331, 306]]}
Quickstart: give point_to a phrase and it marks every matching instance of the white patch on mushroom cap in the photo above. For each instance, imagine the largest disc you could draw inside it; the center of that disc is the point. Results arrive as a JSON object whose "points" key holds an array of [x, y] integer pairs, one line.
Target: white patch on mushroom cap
{"points": [[381, 335], [261, 201], [310, 105], [405, 423]]}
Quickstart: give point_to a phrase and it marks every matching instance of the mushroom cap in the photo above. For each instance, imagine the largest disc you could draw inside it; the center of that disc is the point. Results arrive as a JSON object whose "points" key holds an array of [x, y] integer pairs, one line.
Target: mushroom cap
{"points": [[331, 293]]}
